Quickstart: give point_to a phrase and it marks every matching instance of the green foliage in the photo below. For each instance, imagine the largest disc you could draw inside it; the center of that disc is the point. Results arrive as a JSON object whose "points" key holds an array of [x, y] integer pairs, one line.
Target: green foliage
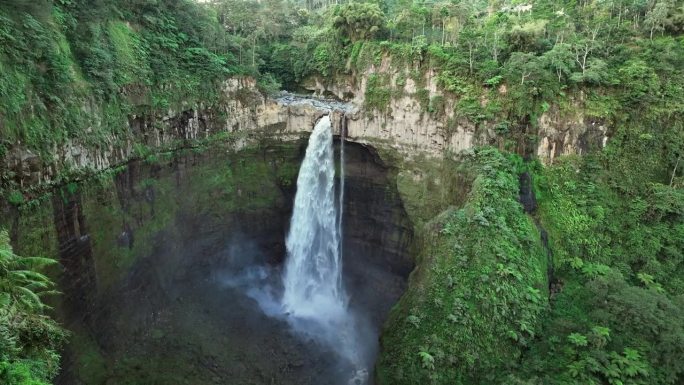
{"points": [[475, 311], [359, 21], [269, 84], [29, 340], [378, 93], [600, 211], [470, 284], [641, 330], [77, 71], [15, 197], [535, 54], [616, 235]]}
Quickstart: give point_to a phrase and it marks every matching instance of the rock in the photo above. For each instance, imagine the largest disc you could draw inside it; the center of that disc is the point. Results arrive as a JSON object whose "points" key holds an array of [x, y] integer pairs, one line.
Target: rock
{"points": [[527, 197], [404, 126]]}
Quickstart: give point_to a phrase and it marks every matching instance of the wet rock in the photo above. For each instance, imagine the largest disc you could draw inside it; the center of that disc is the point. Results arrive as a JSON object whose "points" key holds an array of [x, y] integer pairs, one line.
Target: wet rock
{"points": [[527, 197]]}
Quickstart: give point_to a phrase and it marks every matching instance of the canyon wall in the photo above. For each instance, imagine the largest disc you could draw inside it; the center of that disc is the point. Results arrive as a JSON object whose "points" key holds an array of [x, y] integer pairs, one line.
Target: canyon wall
{"points": [[406, 125], [243, 114]]}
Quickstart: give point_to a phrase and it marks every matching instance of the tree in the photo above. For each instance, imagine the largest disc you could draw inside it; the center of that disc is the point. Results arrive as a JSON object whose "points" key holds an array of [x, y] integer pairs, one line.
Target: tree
{"points": [[494, 31], [526, 37], [560, 59], [470, 39], [583, 47], [523, 65], [675, 22], [638, 80], [656, 18], [358, 21], [450, 18], [410, 22]]}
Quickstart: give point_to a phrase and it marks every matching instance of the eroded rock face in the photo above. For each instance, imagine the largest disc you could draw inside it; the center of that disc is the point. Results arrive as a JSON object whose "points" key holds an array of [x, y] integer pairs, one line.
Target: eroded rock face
{"points": [[405, 125], [246, 115], [156, 263], [560, 134]]}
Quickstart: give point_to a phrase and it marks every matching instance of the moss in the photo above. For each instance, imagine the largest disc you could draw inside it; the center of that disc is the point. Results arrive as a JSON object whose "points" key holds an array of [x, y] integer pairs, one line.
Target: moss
{"points": [[427, 186], [400, 80], [34, 230], [378, 93], [468, 283], [418, 77], [92, 366], [437, 106], [423, 96], [370, 53], [15, 198], [355, 52], [63, 78], [128, 53]]}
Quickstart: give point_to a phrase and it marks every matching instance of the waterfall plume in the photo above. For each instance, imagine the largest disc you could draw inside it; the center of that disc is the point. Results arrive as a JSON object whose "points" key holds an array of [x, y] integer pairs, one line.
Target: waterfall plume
{"points": [[313, 271]]}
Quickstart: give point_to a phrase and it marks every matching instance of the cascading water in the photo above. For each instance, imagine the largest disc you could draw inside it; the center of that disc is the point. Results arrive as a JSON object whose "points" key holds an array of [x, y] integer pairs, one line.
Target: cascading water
{"points": [[313, 273], [341, 203], [314, 296]]}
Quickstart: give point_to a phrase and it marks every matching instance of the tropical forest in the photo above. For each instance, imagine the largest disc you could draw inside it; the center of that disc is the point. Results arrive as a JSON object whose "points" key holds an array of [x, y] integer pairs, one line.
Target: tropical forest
{"points": [[341, 192]]}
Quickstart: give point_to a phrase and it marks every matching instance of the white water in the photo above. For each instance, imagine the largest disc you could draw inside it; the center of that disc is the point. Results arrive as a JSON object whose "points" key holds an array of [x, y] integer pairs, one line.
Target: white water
{"points": [[314, 297], [341, 203], [313, 271], [314, 302]]}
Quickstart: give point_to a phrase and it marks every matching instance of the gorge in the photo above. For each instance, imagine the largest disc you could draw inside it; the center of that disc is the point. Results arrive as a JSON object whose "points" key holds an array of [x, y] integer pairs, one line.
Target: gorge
{"points": [[184, 302], [471, 192]]}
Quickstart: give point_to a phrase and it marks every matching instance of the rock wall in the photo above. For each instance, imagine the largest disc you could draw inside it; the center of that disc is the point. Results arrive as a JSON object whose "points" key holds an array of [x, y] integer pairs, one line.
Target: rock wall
{"points": [[404, 125], [245, 114], [242, 112], [407, 127]]}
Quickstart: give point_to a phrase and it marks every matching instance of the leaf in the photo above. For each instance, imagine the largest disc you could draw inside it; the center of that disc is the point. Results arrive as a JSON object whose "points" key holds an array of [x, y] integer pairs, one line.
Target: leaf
{"points": [[578, 339]]}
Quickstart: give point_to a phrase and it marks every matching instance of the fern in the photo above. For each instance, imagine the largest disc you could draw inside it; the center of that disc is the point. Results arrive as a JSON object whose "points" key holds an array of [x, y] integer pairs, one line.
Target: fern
{"points": [[427, 360]]}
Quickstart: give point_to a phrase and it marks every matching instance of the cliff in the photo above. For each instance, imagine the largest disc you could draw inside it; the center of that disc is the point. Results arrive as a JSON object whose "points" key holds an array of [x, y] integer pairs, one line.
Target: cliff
{"points": [[416, 113], [242, 113]]}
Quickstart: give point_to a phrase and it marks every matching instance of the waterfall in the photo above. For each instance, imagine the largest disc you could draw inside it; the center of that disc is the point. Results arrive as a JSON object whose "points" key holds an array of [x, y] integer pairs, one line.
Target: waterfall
{"points": [[313, 271], [341, 203], [314, 298]]}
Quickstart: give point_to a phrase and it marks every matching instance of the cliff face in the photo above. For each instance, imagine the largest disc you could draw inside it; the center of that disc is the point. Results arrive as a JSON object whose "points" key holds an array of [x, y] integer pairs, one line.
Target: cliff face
{"points": [[244, 114], [406, 125]]}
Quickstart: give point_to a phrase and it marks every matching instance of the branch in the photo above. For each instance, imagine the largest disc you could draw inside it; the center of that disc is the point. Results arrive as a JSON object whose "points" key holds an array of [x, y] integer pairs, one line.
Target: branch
{"points": [[674, 171]]}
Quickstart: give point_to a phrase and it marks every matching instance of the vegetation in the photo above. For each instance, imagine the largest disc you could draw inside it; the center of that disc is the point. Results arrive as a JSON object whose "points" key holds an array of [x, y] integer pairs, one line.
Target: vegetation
{"points": [[476, 301], [29, 340], [619, 53], [73, 69], [490, 303]]}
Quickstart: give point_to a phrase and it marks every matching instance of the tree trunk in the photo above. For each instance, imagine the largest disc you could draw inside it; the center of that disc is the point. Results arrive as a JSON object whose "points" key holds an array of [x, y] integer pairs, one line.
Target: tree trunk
{"points": [[254, 51], [674, 172]]}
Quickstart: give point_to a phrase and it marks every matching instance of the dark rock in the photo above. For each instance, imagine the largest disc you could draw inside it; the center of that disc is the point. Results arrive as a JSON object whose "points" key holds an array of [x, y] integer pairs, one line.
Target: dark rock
{"points": [[527, 198]]}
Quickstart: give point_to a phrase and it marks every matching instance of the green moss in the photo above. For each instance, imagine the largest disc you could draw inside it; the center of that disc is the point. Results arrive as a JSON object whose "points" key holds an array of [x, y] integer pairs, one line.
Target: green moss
{"points": [[378, 93], [369, 54], [92, 366], [400, 80], [15, 197], [470, 284], [78, 72], [129, 53], [437, 106], [355, 52]]}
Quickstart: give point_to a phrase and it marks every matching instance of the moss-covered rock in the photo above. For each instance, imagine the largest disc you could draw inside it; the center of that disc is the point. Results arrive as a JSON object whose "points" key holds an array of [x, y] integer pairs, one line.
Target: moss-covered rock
{"points": [[476, 298]]}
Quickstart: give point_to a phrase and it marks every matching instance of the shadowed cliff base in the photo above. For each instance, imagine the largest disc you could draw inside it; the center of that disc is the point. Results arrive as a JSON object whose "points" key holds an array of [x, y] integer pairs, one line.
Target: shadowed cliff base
{"points": [[167, 246]]}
